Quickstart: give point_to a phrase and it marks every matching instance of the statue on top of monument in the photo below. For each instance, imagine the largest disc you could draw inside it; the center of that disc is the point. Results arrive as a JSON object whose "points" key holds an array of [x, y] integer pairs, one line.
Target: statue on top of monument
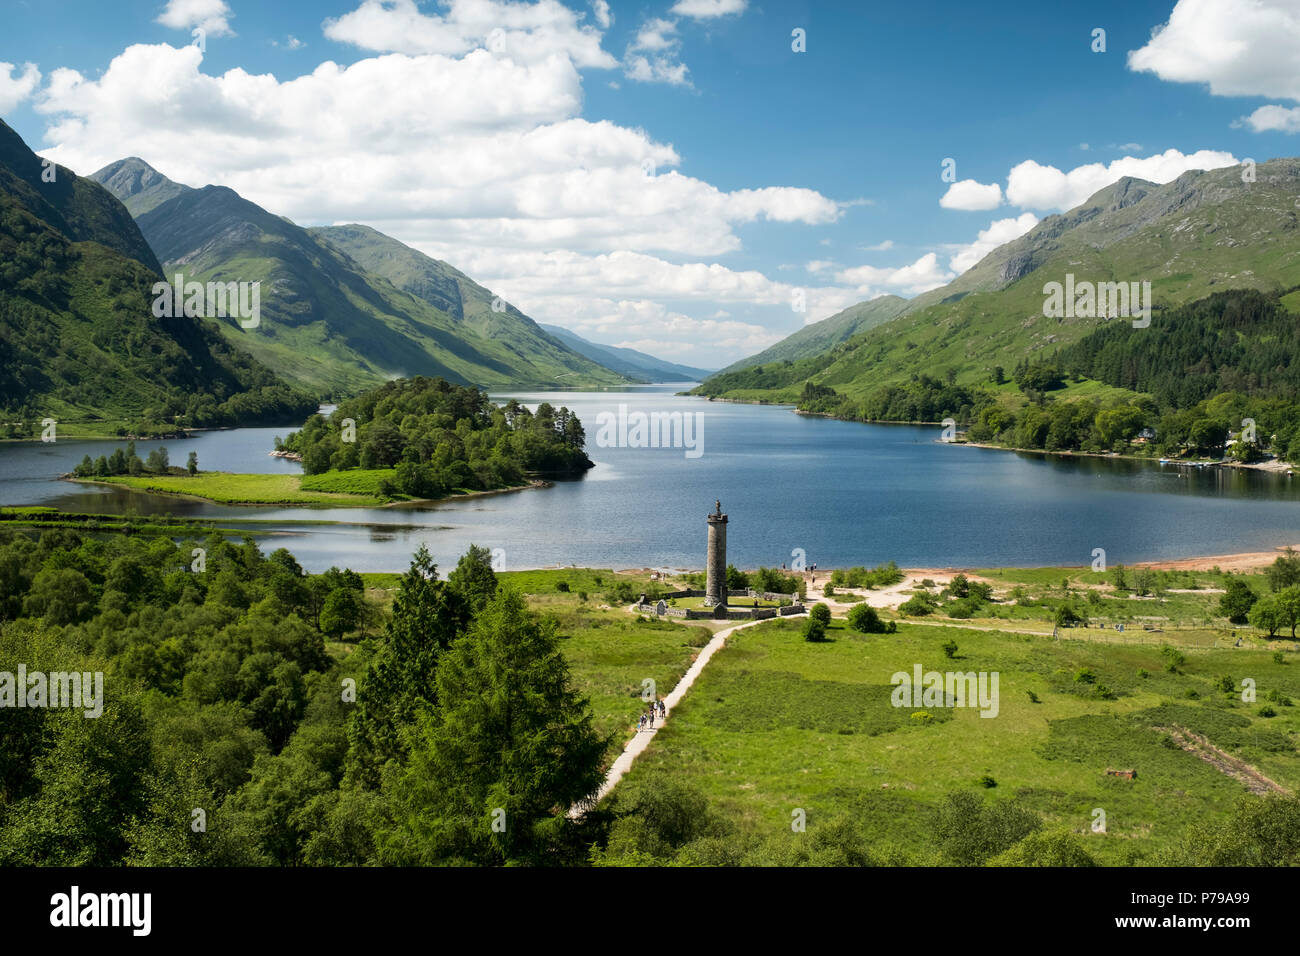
{"points": [[717, 504]]}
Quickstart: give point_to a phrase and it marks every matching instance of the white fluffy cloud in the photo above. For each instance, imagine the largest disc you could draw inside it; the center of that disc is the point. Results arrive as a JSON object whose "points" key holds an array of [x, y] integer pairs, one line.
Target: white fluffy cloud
{"points": [[653, 56], [211, 16], [708, 9], [920, 276], [526, 32], [1277, 119], [971, 195], [1034, 186], [479, 148], [656, 35], [1237, 47], [16, 89], [999, 232]]}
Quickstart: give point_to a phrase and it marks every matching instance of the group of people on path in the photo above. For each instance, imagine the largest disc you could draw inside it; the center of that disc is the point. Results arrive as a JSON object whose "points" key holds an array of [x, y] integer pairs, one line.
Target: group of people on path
{"points": [[647, 721]]}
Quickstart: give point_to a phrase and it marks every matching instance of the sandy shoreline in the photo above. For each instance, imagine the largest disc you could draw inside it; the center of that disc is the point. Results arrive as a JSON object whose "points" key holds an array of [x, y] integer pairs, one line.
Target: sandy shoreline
{"points": [[1239, 561]]}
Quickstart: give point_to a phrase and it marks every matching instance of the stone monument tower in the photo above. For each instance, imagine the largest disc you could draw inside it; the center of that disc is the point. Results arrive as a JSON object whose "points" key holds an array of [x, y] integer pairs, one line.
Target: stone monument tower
{"points": [[715, 586]]}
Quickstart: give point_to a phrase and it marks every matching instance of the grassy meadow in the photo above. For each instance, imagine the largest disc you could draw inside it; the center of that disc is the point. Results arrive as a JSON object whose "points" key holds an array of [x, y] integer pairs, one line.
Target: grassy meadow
{"points": [[236, 489], [355, 488], [775, 723]]}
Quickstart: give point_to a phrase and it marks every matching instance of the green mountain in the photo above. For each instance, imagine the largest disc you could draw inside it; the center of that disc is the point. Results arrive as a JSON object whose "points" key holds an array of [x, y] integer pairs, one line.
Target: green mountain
{"points": [[138, 185], [326, 323], [75, 206], [78, 339], [1202, 233], [820, 336], [635, 365], [449, 290]]}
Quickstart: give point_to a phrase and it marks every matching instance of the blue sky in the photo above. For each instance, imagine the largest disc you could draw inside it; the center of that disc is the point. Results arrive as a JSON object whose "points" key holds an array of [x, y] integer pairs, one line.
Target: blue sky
{"points": [[667, 175]]}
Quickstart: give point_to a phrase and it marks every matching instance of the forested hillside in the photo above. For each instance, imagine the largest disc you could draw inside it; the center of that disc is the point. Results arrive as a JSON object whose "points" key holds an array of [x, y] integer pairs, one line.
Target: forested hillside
{"points": [[78, 340], [1193, 376]]}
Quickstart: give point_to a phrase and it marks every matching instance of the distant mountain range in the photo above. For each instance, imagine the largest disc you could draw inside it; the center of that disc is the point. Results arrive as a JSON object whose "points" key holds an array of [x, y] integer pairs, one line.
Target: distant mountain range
{"points": [[820, 336], [636, 366], [1201, 233], [329, 323], [78, 338]]}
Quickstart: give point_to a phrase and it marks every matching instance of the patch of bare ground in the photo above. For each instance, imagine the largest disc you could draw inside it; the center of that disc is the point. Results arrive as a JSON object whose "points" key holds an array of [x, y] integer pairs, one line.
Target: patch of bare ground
{"points": [[1222, 761]]}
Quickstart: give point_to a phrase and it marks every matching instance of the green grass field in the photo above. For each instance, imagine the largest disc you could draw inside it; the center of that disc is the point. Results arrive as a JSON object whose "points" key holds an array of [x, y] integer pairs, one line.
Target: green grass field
{"points": [[775, 723], [229, 488]]}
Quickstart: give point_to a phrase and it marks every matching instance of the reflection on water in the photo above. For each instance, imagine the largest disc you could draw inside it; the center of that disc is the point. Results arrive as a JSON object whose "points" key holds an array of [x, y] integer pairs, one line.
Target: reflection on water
{"points": [[845, 493]]}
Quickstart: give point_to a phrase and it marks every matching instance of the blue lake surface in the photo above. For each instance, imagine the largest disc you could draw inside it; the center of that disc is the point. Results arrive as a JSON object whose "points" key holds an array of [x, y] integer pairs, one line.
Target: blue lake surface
{"points": [[845, 493]]}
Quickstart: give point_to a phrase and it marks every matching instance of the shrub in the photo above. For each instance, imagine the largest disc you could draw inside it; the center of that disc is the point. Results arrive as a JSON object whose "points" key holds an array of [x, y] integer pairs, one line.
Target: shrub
{"points": [[1174, 658], [949, 648], [1066, 615], [965, 607], [621, 593], [917, 606], [814, 630], [1144, 581], [1266, 711], [967, 831], [1033, 698], [1085, 676], [1056, 849], [1237, 600], [1225, 684], [828, 590], [860, 577], [821, 613], [1279, 657], [987, 782], [866, 620]]}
